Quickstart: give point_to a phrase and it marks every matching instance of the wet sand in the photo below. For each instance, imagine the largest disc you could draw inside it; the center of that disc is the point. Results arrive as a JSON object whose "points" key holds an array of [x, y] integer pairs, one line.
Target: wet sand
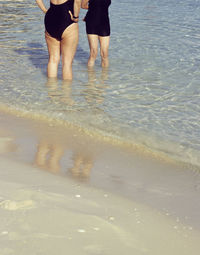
{"points": [[63, 191]]}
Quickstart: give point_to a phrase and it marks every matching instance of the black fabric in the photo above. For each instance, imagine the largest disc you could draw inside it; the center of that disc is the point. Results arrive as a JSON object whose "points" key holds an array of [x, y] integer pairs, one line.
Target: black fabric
{"points": [[97, 18], [57, 18]]}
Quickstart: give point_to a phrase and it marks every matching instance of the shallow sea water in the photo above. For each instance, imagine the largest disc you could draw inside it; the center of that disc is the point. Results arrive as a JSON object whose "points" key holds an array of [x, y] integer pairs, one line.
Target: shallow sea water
{"points": [[150, 94]]}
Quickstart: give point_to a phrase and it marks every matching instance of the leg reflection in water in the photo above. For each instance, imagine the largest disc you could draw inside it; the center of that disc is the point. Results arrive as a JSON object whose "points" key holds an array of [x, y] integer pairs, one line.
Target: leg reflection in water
{"points": [[95, 91], [60, 94], [82, 166], [48, 156], [54, 150], [66, 90]]}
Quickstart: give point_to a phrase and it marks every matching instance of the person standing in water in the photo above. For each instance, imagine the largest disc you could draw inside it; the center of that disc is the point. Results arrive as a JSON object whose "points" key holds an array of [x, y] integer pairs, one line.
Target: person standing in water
{"points": [[61, 34], [97, 29]]}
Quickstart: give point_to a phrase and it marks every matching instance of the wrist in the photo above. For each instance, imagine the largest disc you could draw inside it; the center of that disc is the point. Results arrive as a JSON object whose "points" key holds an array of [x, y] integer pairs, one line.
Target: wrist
{"points": [[75, 17]]}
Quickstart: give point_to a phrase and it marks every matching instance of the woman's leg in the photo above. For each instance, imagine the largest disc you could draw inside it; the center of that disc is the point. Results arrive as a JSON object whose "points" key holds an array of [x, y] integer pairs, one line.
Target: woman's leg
{"points": [[93, 44], [53, 46], [69, 44], [104, 45]]}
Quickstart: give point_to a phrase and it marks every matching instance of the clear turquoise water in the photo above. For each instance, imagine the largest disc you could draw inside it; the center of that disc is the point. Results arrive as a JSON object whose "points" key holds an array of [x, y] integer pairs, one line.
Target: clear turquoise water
{"points": [[149, 96]]}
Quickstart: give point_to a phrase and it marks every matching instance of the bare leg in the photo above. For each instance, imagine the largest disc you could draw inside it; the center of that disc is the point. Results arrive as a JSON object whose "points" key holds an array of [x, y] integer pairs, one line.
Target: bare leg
{"points": [[93, 44], [53, 46], [66, 92], [69, 44], [104, 45], [52, 87]]}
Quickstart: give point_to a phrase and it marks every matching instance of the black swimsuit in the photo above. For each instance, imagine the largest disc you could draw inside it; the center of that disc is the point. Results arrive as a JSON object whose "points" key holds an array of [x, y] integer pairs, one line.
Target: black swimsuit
{"points": [[57, 18], [97, 18]]}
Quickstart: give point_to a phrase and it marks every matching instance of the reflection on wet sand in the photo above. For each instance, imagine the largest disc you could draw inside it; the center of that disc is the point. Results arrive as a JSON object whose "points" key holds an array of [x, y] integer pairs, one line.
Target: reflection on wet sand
{"points": [[57, 151], [82, 166], [48, 155], [52, 150]]}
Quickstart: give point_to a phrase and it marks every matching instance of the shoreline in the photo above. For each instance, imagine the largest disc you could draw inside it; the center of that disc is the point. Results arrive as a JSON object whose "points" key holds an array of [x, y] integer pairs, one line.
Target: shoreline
{"points": [[73, 155], [98, 136], [106, 197]]}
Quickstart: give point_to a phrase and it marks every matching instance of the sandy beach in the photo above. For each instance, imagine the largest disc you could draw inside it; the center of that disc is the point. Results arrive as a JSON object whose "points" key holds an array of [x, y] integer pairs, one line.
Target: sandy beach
{"points": [[63, 191], [109, 163]]}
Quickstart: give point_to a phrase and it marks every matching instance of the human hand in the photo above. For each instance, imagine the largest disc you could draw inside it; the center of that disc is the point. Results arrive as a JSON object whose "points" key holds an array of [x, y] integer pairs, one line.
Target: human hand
{"points": [[73, 18]]}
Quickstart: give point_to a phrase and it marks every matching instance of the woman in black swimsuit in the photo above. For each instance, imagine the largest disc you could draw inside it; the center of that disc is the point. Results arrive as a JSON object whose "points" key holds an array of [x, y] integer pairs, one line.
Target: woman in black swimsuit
{"points": [[61, 24], [97, 29]]}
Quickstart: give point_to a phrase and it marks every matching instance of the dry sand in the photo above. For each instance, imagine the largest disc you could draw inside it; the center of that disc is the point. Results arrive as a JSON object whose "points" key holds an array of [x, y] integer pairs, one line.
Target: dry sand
{"points": [[64, 192]]}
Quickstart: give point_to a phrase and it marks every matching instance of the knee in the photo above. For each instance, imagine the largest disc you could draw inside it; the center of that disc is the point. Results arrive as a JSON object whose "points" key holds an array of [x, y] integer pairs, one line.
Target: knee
{"points": [[93, 52], [104, 54]]}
